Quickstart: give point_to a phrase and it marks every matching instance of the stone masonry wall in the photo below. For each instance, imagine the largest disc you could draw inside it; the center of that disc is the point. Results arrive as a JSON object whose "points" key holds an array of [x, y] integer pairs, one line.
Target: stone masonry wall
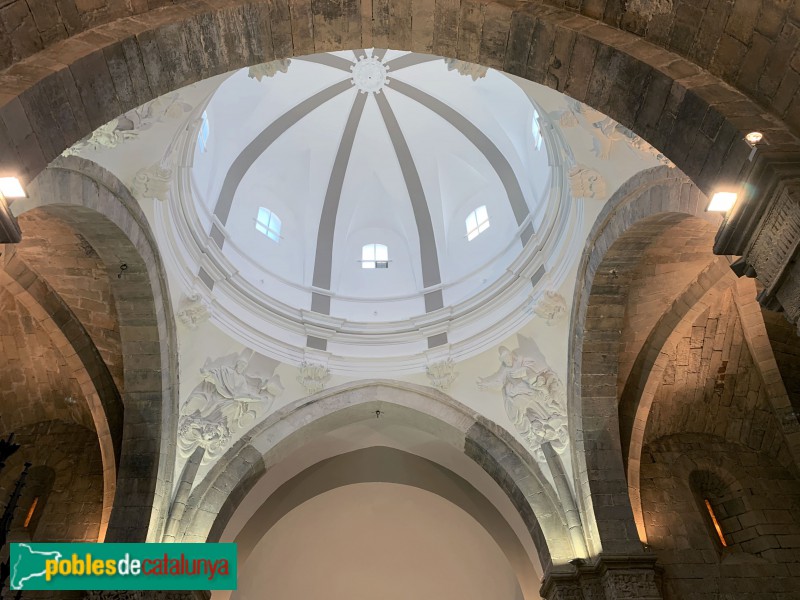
{"points": [[711, 385], [73, 268], [671, 262], [759, 512], [27, 26], [35, 383], [73, 509], [751, 44]]}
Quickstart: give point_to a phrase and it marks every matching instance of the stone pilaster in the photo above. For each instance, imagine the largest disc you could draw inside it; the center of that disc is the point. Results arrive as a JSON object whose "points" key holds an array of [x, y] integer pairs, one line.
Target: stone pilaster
{"points": [[764, 229], [605, 578]]}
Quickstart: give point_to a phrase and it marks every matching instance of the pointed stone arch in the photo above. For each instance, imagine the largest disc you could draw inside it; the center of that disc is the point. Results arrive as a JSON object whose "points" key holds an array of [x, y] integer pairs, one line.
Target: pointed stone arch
{"points": [[214, 500], [645, 205], [83, 362], [99, 207]]}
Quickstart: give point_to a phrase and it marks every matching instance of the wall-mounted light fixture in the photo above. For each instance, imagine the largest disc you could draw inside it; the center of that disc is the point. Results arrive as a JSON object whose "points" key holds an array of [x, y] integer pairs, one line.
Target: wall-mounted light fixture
{"points": [[754, 137], [11, 187], [722, 202]]}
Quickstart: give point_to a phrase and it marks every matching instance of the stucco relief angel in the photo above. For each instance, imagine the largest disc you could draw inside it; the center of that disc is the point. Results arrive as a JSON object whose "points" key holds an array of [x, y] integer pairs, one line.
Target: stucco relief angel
{"points": [[227, 400], [533, 396]]}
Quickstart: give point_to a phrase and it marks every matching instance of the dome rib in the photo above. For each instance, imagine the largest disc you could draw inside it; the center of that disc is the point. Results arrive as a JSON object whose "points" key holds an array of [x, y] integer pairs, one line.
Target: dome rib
{"points": [[429, 255], [323, 257], [409, 60], [263, 141], [484, 145], [329, 60]]}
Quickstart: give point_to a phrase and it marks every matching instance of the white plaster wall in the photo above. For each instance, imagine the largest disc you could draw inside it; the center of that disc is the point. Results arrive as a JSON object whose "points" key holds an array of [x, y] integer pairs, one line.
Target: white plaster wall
{"points": [[377, 540]]}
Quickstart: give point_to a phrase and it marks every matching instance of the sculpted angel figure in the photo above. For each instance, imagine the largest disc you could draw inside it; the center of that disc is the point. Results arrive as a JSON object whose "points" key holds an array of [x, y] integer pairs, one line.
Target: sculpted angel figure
{"points": [[534, 398], [226, 401]]}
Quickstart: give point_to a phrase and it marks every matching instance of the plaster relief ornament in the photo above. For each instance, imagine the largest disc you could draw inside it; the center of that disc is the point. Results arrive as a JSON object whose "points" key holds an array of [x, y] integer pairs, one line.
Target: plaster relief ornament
{"points": [[442, 374], [109, 135], [152, 182], [551, 307], [533, 395], [370, 74], [193, 311], [313, 377], [467, 69], [586, 183], [269, 69], [132, 123], [227, 400], [648, 9], [606, 132]]}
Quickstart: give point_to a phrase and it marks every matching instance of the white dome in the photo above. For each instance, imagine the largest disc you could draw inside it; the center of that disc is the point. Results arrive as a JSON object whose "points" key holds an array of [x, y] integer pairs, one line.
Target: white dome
{"points": [[338, 152]]}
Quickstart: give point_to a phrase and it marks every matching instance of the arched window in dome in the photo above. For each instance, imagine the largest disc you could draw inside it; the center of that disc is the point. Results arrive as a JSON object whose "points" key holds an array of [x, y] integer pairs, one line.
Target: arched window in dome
{"points": [[536, 129], [374, 256], [269, 224], [477, 222], [205, 131]]}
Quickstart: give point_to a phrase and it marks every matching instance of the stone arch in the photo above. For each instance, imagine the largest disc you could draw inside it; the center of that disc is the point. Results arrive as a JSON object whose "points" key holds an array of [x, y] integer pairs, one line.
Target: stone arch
{"points": [[214, 500], [74, 345], [99, 207], [388, 465], [643, 206], [650, 362], [640, 390], [62, 93], [757, 338]]}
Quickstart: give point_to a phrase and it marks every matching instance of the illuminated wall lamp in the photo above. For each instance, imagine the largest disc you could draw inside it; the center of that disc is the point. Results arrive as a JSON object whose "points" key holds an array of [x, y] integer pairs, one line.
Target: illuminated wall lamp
{"points": [[722, 202], [754, 137], [11, 188]]}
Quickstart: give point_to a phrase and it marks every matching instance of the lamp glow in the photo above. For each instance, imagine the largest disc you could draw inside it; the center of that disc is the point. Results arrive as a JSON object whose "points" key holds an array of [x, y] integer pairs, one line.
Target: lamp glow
{"points": [[754, 137], [11, 187], [722, 202]]}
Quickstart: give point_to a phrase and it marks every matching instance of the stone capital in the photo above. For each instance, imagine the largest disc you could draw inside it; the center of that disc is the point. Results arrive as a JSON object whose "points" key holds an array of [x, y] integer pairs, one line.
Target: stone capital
{"points": [[617, 577]]}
